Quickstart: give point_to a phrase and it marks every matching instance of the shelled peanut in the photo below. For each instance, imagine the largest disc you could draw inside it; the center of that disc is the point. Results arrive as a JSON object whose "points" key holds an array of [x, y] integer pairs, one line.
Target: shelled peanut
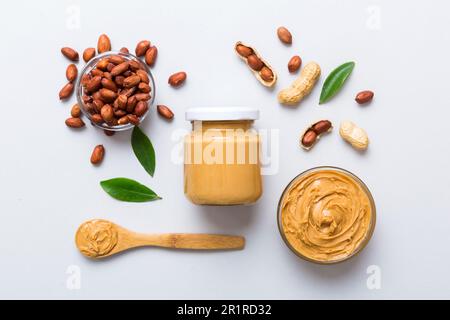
{"points": [[116, 91], [97, 154], [294, 64], [165, 112], [88, 54], [260, 68], [364, 97], [284, 35], [177, 79]]}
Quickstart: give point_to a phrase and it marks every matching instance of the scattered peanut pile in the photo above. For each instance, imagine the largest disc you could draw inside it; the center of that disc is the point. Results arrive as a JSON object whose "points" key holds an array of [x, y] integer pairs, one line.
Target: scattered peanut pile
{"points": [[302, 86], [116, 90]]}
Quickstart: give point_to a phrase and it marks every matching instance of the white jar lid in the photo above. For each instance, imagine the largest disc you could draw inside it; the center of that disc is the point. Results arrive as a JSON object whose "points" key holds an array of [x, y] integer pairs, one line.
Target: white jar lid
{"points": [[222, 114]]}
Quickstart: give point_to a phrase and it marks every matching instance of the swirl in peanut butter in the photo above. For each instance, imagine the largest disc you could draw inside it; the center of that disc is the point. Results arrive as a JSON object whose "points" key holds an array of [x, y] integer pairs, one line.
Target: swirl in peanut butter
{"points": [[96, 238], [326, 215]]}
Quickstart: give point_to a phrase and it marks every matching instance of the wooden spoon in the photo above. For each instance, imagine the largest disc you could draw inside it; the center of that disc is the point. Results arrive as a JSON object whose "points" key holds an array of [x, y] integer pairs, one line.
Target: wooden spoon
{"points": [[101, 238]]}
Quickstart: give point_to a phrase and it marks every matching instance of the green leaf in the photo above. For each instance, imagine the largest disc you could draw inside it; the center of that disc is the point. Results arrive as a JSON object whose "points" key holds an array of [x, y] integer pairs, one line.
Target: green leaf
{"points": [[128, 190], [143, 149], [335, 80]]}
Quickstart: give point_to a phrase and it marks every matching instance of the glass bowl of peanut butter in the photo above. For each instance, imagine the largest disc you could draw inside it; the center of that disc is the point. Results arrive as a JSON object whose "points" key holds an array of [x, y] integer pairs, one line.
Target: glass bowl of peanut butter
{"points": [[326, 215]]}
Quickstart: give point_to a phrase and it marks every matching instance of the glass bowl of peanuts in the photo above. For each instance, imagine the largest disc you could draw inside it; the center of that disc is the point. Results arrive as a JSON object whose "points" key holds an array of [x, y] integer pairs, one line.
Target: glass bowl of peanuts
{"points": [[115, 91]]}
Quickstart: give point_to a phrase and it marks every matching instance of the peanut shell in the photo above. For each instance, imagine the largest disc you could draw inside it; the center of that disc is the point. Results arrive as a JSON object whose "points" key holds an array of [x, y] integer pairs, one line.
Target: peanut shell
{"points": [[257, 74]]}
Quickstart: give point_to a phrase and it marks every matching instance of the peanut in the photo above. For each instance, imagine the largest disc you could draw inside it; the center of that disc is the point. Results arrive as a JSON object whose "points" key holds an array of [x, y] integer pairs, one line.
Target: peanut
{"points": [[266, 74], [66, 91], [98, 154], [70, 54], [109, 133], [354, 135], [107, 113], [131, 103], [102, 64], [142, 47], [313, 133], [309, 138], [133, 119], [108, 84], [123, 120], [144, 88], [88, 54], [122, 101], [85, 79], [254, 62], [119, 80], [103, 44], [143, 75], [284, 35], [75, 112], [110, 66], [86, 98], [141, 108], [96, 118], [131, 81], [364, 96], [116, 59], [98, 104], [107, 75], [129, 92], [119, 69], [94, 84], [71, 72], [97, 73], [142, 96], [302, 86], [150, 56], [119, 114], [74, 123], [134, 65], [322, 126], [108, 95], [177, 79], [244, 51], [124, 50], [294, 64], [90, 108], [165, 112]]}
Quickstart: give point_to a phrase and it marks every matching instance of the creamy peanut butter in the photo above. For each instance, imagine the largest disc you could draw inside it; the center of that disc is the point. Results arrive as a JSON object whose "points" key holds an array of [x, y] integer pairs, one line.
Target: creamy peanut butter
{"points": [[96, 238], [327, 215], [222, 164]]}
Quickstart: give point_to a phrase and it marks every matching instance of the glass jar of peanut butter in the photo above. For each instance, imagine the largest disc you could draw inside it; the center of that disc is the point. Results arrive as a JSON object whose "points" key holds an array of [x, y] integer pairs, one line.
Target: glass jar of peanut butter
{"points": [[221, 157]]}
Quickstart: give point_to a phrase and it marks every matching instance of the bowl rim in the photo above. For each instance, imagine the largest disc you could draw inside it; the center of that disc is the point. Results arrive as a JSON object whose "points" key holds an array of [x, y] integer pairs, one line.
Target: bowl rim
{"points": [[368, 235], [89, 66]]}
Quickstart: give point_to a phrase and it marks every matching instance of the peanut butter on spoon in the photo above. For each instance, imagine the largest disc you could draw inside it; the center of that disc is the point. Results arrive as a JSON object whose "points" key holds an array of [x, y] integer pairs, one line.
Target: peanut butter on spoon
{"points": [[101, 238]]}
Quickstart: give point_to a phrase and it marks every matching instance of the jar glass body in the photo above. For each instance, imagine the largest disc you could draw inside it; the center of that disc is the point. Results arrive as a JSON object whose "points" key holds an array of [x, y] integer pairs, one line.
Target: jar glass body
{"points": [[221, 163]]}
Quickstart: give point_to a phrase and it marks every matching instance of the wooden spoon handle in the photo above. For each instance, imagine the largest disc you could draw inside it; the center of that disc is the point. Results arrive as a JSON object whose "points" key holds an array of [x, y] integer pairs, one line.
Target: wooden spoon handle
{"points": [[192, 241]]}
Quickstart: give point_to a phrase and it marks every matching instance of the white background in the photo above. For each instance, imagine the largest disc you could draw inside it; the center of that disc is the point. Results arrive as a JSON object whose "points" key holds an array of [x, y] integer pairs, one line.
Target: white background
{"points": [[48, 186]]}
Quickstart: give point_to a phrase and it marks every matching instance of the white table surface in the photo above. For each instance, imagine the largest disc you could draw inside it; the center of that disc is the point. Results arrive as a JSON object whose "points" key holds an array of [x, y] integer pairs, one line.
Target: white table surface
{"points": [[48, 186]]}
